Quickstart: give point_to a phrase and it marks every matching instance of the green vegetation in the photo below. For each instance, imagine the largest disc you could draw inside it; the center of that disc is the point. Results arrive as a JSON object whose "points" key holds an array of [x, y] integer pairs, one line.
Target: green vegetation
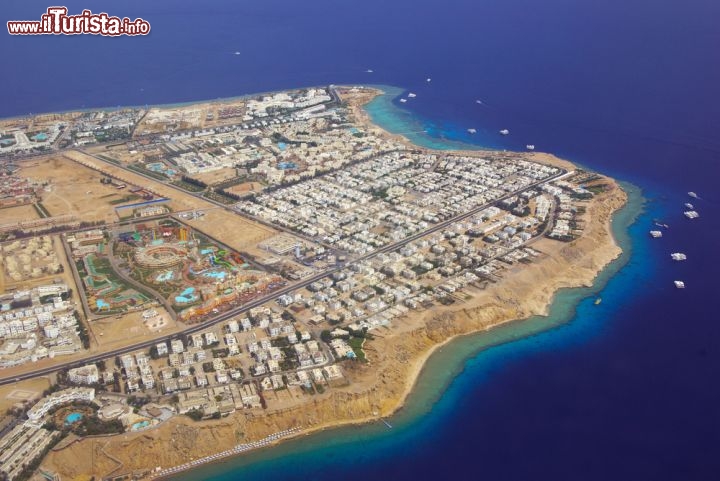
{"points": [[222, 352], [597, 188], [229, 183], [195, 414], [356, 343], [127, 198], [41, 210], [109, 159], [325, 336], [222, 196], [187, 186], [192, 181], [83, 333], [142, 170]]}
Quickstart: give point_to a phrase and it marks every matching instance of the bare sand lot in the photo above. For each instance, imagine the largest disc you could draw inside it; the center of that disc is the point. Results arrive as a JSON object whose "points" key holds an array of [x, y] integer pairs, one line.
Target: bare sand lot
{"points": [[116, 331], [231, 229], [11, 215], [245, 188], [179, 201], [215, 176], [76, 190], [22, 391]]}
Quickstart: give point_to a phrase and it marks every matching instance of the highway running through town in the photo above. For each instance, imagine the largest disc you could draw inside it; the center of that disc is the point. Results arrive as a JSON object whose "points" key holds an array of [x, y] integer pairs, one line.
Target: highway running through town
{"points": [[7, 379]]}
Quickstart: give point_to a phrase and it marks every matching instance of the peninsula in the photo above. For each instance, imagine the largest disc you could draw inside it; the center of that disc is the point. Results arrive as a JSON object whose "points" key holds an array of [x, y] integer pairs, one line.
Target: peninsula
{"points": [[180, 284]]}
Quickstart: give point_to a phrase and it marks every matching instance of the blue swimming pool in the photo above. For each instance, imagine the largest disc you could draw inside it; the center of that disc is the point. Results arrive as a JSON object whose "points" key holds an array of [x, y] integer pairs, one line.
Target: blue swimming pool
{"points": [[188, 295], [287, 165], [73, 418], [101, 304], [140, 425], [216, 274]]}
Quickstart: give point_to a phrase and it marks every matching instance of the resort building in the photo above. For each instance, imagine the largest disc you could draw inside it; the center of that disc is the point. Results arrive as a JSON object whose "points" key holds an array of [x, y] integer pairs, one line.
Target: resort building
{"points": [[84, 375], [41, 408]]}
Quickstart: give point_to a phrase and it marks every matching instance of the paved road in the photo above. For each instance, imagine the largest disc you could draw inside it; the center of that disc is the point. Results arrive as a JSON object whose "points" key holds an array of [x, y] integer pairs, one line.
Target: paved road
{"points": [[262, 300]]}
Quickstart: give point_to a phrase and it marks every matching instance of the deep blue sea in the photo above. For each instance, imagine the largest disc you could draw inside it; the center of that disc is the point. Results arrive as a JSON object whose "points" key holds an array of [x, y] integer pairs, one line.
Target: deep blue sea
{"points": [[626, 390]]}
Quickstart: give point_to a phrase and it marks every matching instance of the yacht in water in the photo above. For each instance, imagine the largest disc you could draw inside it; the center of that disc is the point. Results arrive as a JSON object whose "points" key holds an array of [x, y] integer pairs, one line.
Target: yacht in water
{"points": [[691, 214], [680, 284], [530, 147], [693, 195], [678, 256], [656, 233], [428, 79], [504, 132], [403, 100], [412, 95], [689, 205], [369, 70], [472, 131]]}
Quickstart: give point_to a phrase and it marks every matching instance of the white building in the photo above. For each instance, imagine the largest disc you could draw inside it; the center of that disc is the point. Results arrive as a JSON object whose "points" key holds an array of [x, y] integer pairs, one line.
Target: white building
{"points": [[84, 375], [65, 396]]}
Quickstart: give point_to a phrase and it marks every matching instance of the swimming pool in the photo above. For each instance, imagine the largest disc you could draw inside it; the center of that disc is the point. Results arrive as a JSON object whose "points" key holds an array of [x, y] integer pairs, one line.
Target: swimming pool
{"points": [[186, 296], [216, 274], [287, 165], [73, 418], [140, 425], [101, 304]]}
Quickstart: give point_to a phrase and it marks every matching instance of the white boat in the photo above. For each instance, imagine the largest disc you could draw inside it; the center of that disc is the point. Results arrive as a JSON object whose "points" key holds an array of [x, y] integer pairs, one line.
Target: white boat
{"points": [[680, 284], [691, 214], [678, 256], [656, 233], [237, 53], [504, 132], [412, 95], [428, 79], [403, 100], [693, 195], [478, 101], [689, 205], [530, 147], [472, 131], [369, 70]]}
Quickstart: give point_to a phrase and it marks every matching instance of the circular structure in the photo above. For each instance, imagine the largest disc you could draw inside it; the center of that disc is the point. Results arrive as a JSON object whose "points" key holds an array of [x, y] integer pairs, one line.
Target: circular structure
{"points": [[158, 257]]}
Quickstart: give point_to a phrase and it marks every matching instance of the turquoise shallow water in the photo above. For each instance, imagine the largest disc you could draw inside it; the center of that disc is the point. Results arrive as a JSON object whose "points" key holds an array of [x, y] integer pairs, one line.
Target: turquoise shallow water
{"points": [[457, 368]]}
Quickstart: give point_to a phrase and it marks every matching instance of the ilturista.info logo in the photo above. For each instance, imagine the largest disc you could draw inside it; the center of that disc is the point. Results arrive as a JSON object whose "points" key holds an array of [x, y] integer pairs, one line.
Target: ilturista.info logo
{"points": [[56, 21]]}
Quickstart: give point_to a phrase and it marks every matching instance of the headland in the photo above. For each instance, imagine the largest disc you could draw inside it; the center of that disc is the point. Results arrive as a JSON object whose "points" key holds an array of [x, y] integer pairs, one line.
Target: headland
{"points": [[465, 241]]}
